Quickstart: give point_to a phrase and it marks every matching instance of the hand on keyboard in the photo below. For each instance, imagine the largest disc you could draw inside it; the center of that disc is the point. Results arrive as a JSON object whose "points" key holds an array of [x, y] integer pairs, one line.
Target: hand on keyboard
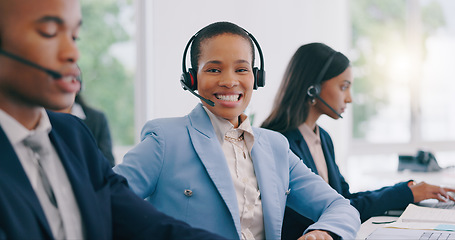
{"points": [[423, 190]]}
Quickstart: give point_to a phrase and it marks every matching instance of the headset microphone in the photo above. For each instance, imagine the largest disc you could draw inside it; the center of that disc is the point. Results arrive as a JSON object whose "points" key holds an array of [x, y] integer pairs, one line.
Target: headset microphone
{"points": [[333, 110], [54, 74], [314, 92], [211, 103]]}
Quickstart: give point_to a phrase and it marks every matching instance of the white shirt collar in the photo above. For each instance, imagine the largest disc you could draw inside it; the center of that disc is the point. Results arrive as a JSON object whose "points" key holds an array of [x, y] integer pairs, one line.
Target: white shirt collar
{"points": [[222, 126], [78, 111], [16, 132]]}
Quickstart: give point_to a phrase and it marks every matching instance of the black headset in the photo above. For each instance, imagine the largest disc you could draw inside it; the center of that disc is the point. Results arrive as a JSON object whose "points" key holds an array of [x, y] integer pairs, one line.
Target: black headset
{"points": [[314, 90], [189, 80]]}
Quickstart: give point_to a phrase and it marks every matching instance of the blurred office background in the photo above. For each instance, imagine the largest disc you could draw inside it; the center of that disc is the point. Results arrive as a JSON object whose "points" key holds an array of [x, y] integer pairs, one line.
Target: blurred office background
{"points": [[402, 52]]}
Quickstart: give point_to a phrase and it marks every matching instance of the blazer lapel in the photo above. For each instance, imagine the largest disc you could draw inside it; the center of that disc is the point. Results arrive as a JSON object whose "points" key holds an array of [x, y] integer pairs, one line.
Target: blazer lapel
{"points": [[13, 173], [332, 169], [300, 148], [264, 168], [212, 157]]}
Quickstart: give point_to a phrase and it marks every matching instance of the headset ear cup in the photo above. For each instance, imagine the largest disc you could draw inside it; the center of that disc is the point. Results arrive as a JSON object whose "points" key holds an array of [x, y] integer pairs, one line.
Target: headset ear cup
{"points": [[189, 80], [183, 80], [192, 79], [313, 90], [255, 75], [259, 78]]}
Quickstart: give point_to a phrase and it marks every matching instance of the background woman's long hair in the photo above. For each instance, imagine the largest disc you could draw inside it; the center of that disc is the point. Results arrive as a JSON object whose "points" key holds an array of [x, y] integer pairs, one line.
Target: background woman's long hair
{"points": [[291, 105]]}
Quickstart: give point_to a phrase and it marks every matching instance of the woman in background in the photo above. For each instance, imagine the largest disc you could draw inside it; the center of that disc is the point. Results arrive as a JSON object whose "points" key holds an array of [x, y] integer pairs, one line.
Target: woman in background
{"points": [[97, 122], [317, 81]]}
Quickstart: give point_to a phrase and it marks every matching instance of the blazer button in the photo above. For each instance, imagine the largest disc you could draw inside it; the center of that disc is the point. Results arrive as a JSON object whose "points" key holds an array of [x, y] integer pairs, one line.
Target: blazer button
{"points": [[188, 193], [288, 191]]}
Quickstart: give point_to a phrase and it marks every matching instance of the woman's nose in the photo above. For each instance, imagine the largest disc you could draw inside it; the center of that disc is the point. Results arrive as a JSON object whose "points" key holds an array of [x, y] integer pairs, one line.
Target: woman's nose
{"points": [[229, 80]]}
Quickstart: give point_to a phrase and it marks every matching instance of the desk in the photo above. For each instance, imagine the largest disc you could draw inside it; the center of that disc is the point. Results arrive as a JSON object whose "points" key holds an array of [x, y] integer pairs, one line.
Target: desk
{"points": [[367, 176], [368, 226]]}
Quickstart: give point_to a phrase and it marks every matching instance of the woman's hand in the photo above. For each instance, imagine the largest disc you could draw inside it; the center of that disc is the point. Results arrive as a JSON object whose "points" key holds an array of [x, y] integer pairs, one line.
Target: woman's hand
{"points": [[423, 190], [316, 235]]}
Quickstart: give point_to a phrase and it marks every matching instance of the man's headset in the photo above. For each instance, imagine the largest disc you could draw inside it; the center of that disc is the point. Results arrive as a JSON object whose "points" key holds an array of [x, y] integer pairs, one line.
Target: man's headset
{"points": [[314, 90], [52, 73], [188, 79]]}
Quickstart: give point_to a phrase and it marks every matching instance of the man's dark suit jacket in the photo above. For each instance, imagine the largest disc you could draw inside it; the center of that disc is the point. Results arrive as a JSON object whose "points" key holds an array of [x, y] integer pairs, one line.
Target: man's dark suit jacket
{"points": [[368, 203], [109, 209]]}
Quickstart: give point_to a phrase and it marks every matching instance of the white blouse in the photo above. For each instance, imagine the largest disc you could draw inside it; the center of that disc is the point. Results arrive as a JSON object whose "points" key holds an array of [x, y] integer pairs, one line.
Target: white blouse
{"points": [[313, 141], [237, 144]]}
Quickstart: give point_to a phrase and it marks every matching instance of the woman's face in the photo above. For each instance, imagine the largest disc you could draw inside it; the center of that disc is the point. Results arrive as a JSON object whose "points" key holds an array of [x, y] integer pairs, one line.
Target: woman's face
{"points": [[337, 93], [225, 75]]}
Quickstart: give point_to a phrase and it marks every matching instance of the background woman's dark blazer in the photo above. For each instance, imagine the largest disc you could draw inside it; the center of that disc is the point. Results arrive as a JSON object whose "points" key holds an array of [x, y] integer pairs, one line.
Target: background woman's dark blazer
{"points": [[368, 203], [97, 122]]}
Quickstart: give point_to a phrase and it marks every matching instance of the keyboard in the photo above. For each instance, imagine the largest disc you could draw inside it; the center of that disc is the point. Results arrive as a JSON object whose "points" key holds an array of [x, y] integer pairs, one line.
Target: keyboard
{"points": [[437, 236], [436, 204], [409, 234], [445, 205]]}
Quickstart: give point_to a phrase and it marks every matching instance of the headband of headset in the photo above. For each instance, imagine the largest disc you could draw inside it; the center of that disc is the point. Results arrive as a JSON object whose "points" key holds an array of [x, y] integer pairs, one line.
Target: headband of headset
{"points": [[315, 89], [189, 79]]}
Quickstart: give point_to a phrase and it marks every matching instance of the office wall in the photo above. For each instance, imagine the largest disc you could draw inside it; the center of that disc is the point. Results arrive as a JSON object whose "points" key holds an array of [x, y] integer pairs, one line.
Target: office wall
{"points": [[280, 27]]}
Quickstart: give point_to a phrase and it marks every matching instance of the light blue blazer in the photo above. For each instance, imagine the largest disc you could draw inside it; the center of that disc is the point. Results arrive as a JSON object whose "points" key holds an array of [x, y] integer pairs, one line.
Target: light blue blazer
{"points": [[181, 169]]}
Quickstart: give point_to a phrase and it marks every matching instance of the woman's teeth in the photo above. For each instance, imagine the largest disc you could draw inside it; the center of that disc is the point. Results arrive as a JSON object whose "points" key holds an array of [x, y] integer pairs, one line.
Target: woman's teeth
{"points": [[231, 98]]}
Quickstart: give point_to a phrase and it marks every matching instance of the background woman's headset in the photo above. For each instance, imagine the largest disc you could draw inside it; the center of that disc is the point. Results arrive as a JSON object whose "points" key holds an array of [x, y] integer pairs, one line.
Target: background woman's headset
{"points": [[314, 90]]}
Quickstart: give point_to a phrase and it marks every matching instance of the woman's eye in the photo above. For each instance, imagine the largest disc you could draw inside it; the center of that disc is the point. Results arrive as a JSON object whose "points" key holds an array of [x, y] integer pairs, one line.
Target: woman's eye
{"points": [[213, 70], [242, 70]]}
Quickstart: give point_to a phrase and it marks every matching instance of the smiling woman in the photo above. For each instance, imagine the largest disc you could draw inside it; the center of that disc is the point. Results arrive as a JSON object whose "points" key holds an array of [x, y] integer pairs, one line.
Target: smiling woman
{"points": [[226, 76], [240, 177]]}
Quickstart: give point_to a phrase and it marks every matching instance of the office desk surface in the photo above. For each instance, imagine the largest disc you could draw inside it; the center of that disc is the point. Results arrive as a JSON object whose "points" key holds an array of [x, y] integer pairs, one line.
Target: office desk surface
{"points": [[364, 175], [371, 224]]}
